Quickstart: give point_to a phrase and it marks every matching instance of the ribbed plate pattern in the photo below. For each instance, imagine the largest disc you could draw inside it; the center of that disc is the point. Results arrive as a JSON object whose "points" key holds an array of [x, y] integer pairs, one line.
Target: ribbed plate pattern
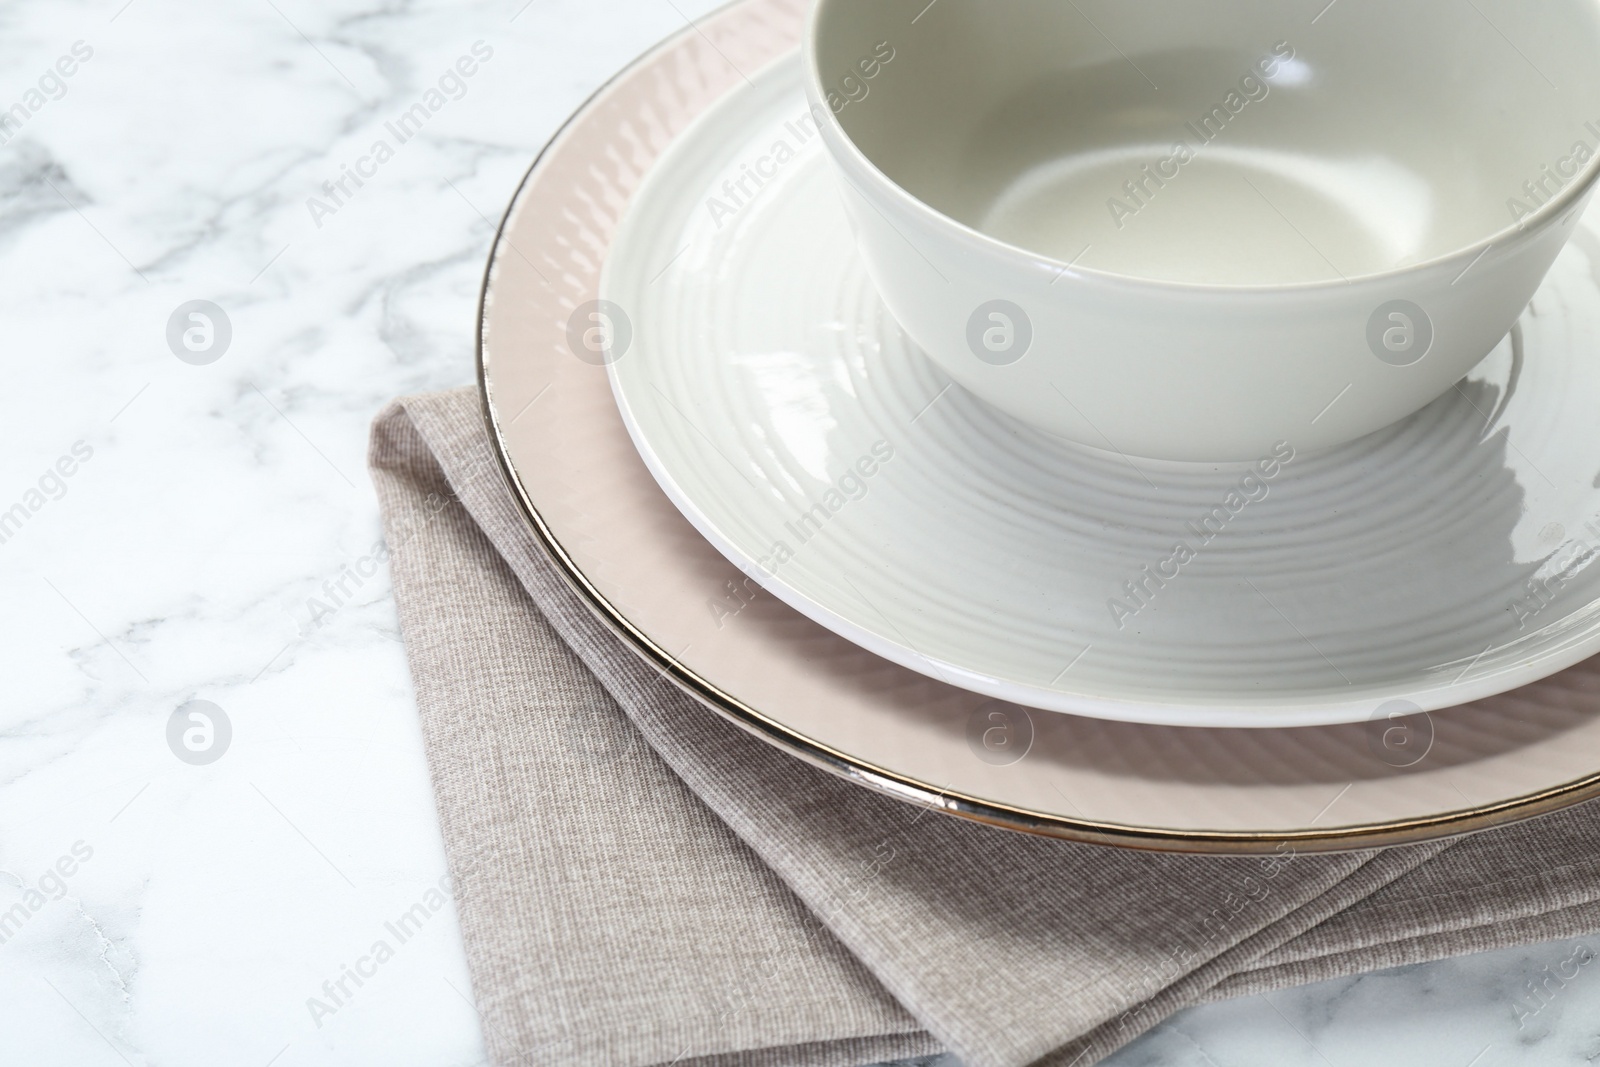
{"points": [[1413, 564]]}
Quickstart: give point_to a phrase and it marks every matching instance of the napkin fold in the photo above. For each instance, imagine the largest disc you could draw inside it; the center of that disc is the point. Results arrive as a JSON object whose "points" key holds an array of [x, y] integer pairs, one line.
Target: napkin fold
{"points": [[640, 882]]}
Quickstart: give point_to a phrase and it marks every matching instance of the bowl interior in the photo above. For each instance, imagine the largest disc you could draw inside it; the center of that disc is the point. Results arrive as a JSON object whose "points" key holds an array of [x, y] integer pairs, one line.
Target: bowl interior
{"points": [[1245, 142]]}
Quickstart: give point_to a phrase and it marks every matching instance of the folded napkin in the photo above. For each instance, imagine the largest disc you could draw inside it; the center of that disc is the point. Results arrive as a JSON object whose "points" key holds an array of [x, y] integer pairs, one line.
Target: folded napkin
{"points": [[640, 882]]}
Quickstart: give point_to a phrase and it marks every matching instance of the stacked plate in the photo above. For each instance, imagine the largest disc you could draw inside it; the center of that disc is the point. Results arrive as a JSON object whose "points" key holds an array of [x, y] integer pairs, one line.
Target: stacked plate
{"points": [[746, 468]]}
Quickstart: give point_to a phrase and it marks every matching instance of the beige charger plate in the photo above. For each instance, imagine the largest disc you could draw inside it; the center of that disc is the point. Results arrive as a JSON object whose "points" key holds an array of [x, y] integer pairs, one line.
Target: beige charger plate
{"points": [[668, 593]]}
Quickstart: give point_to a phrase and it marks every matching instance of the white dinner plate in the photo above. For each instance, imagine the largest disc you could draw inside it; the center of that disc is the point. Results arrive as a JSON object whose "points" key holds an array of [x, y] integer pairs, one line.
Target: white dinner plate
{"points": [[782, 410]]}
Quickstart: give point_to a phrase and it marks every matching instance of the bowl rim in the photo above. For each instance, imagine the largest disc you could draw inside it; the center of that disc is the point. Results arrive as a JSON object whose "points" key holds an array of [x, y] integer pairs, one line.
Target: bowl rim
{"points": [[855, 159]]}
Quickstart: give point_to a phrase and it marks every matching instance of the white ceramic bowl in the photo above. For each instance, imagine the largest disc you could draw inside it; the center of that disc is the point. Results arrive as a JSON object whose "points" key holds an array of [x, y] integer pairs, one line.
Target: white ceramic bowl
{"points": [[1192, 231]]}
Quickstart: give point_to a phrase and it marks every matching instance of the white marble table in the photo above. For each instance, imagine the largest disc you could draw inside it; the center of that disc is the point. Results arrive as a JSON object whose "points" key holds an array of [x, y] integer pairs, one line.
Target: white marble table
{"points": [[180, 516]]}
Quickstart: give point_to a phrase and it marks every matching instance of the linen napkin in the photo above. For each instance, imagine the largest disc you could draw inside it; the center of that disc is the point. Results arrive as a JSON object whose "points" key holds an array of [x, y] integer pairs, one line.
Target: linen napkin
{"points": [[639, 882]]}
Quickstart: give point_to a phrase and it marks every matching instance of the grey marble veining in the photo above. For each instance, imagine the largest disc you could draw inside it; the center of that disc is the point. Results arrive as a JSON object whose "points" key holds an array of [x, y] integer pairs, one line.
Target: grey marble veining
{"points": [[212, 542]]}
